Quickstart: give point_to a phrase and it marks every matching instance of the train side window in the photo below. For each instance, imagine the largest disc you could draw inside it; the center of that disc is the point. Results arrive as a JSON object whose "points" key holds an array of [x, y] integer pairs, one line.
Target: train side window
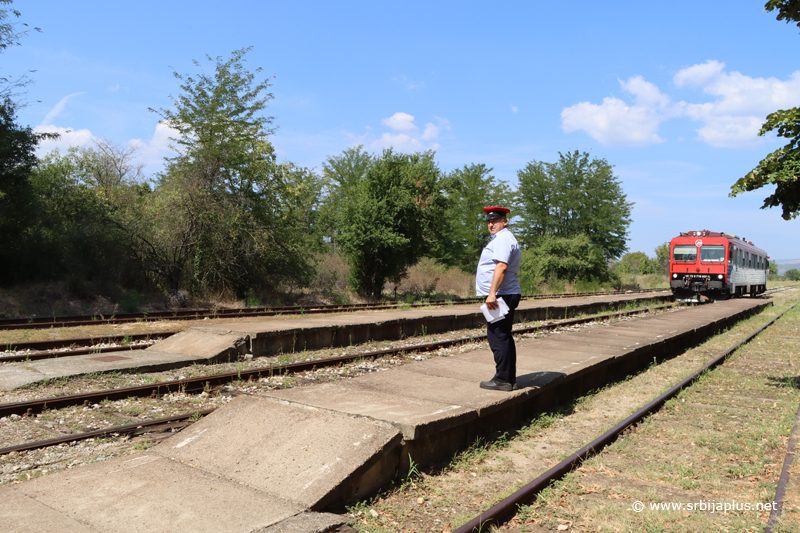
{"points": [[712, 254], [684, 253], [731, 252]]}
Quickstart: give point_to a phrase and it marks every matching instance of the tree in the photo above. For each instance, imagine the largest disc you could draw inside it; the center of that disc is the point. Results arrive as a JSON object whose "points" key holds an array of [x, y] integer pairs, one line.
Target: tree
{"points": [[390, 214], [662, 258], [773, 270], [17, 145], [636, 263], [469, 190], [245, 221], [10, 35], [80, 196], [792, 274], [782, 167], [562, 258], [342, 176], [574, 196]]}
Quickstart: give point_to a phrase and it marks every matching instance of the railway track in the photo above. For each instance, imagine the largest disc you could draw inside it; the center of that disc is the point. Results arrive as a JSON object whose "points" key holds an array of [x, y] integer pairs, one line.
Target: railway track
{"points": [[215, 382], [245, 312], [34, 350], [507, 508]]}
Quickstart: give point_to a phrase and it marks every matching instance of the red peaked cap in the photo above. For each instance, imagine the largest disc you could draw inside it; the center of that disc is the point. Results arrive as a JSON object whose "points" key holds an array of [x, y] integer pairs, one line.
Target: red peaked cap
{"points": [[494, 212]]}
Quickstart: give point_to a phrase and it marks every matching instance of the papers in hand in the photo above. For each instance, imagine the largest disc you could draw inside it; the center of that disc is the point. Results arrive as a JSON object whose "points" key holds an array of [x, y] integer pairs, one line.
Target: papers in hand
{"points": [[493, 315]]}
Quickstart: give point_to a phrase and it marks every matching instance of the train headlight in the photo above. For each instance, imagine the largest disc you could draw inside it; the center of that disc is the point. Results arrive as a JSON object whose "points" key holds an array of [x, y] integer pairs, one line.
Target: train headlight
{"points": [[719, 277], [674, 276]]}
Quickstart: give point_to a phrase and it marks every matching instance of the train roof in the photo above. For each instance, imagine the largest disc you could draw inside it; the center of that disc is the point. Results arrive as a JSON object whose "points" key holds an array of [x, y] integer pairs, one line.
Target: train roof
{"points": [[740, 241]]}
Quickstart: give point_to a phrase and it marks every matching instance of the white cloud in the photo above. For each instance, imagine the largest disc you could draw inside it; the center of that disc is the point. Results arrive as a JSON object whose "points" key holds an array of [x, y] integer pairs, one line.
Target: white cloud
{"points": [[67, 138], [740, 105], [732, 119], [401, 142], [408, 138], [152, 152], [57, 109], [615, 123], [514, 109], [400, 122], [698, 75]]}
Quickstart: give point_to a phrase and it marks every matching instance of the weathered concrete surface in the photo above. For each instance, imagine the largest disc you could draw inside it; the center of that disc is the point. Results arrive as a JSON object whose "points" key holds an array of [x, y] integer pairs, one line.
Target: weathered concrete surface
{"points": [[292, 452], [205, 343], [142, 493], [23, 514], [414, 416], [306, 523], [13, 375]]}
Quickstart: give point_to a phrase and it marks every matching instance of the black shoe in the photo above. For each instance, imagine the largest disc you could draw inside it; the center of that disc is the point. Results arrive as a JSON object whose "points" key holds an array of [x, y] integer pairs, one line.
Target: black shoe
{"points": [[496, 384]]}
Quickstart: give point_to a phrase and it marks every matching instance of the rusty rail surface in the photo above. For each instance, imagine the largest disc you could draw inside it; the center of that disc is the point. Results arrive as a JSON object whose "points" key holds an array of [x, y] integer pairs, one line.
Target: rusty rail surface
{"points": [[171, 422]]}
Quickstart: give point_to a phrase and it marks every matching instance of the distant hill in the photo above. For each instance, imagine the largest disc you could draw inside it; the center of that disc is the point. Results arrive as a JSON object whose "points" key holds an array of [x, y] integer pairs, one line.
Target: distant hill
{"points": [[783, 266]]}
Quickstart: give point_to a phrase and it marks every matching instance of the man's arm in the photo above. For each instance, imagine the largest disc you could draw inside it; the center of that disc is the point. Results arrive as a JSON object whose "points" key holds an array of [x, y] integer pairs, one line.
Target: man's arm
{"points": [[497, 280]]}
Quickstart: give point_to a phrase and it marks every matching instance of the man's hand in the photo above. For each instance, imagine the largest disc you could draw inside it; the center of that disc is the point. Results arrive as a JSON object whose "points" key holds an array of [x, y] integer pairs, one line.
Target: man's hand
{"points": [[491, 302]]}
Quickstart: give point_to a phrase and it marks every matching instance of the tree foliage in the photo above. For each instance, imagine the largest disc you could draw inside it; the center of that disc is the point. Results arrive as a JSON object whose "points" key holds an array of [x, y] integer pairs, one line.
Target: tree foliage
{"points": [[577, 195], [73, 235], [792, 274], [10, 34], [469, 190], [17, 196], [235, 218], [390, 211], [636, 263], [781, 167], [562, 258], [662, 258], [788, 10]]}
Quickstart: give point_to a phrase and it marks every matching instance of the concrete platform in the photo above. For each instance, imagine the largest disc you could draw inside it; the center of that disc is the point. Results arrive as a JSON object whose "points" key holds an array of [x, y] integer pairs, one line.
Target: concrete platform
{"points": [[275, 335], [261, 464]]}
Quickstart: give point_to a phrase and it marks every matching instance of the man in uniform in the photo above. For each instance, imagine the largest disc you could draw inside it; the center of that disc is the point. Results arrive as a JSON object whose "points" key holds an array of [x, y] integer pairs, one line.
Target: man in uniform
{"points": [[498, 277]]}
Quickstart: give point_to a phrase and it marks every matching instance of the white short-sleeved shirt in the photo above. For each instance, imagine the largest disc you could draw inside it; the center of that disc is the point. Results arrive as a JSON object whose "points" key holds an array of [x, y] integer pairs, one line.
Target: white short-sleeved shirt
{"points": [[502, 247]]}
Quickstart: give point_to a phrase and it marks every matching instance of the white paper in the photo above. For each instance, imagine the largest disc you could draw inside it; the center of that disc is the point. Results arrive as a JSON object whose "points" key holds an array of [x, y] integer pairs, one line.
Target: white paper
{"points": [[493, 315]]}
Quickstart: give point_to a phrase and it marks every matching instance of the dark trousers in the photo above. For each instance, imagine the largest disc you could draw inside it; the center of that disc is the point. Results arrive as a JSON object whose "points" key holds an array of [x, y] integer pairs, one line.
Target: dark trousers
{"points": [[502, 342]]}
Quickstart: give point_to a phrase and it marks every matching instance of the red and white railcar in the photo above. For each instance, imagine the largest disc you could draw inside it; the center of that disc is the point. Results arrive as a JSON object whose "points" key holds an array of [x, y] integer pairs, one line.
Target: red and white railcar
{"points": [[705, 264]]}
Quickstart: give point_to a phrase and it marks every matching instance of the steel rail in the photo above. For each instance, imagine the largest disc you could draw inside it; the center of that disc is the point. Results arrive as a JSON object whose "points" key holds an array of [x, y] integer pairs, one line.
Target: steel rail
{"points": [[196, 314], [205, 383], [507, 507], [34, 356], [780, 492], [129, 429], [81, 341]]}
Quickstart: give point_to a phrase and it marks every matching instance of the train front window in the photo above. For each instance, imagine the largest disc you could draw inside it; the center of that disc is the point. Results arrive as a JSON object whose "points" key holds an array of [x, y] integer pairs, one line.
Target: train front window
{"points": [[712, 254], [684, 253]]}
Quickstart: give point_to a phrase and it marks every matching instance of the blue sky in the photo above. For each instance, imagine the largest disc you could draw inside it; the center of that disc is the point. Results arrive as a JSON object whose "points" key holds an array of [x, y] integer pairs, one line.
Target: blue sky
{"points": [[670, 93]]}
